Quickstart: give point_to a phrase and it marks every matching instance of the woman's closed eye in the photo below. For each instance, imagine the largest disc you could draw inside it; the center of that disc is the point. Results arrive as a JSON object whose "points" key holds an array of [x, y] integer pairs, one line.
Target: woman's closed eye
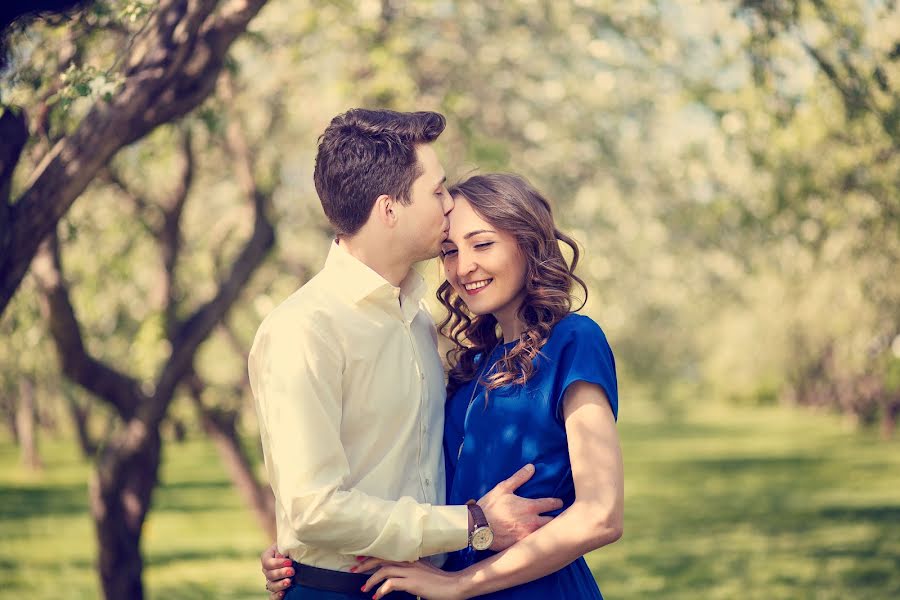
{"points": [[483, 245]]}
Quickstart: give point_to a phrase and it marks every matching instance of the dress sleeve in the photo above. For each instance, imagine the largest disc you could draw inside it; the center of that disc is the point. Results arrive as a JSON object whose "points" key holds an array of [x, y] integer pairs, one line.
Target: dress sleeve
{"points": [[585, 356]]}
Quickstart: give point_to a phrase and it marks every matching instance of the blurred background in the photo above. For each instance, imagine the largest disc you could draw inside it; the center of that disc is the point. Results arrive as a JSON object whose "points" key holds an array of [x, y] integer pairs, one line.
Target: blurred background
{"points": [[731, 170]]}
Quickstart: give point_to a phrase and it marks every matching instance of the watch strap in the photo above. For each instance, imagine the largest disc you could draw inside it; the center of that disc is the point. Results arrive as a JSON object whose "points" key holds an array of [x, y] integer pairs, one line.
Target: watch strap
{"points": [[477, 514]]}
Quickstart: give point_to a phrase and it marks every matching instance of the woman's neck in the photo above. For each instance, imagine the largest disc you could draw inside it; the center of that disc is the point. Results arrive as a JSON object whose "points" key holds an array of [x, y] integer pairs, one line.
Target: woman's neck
{"points": [[510, 324]]}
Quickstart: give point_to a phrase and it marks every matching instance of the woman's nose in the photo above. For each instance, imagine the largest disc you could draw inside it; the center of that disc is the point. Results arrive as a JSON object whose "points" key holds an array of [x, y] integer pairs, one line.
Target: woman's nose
{"points": [[465, 264]]}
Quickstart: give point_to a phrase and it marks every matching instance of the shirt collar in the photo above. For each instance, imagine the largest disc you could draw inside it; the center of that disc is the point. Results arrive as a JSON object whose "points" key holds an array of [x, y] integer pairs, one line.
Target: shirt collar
{"points": [[358, 281]]}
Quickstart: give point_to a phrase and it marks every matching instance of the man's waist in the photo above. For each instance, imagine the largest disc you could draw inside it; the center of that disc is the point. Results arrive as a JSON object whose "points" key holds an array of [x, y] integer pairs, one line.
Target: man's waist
{"points": [[331, 561]]}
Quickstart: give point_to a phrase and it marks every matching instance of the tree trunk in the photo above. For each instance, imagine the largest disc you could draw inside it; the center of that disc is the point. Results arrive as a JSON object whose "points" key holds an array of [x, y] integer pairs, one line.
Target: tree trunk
{"points": [[9, 405], [889, 418], [25, 425], [258, 498], [120, 497], [221, 427], [79, 419]]}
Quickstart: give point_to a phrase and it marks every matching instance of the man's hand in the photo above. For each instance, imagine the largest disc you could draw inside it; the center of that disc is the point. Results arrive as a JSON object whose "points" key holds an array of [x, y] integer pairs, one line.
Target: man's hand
{"points": [[512, 517], [278, 571]]}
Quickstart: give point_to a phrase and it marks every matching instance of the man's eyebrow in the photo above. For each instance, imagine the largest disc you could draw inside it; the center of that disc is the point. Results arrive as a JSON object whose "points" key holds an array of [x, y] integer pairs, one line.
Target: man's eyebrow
{"points": [[476, 232]]}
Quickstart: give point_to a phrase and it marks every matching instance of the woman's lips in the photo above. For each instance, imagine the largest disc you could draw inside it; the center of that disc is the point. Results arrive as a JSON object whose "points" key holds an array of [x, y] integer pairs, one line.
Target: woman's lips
{"points": [[478, 289]]}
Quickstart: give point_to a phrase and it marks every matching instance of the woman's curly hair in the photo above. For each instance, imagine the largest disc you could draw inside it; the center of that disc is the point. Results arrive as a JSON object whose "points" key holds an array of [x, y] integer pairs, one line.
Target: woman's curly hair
{"points": [[509, 203]]}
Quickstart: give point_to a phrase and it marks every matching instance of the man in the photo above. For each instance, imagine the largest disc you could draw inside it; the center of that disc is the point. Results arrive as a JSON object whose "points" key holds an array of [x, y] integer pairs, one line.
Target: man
{"points": [[347, 380]]}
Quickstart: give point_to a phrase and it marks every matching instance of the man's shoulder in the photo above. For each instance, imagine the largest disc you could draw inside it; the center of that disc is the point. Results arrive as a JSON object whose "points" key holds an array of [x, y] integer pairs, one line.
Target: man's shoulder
{"points": [[313, 303]]}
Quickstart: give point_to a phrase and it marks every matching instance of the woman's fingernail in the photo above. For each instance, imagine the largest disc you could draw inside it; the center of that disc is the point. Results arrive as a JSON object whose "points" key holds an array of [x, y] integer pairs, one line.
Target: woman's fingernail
{"points": [[360, 558], [353, 569], [287, 563]]}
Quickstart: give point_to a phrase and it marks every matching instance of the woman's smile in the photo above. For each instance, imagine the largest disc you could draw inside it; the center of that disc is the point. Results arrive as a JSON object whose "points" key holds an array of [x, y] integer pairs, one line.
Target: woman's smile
{"points": [[476, 286]]}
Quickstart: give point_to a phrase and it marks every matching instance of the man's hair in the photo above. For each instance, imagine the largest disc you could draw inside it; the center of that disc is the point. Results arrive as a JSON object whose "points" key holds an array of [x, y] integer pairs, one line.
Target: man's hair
{"points": [[366, 153]]}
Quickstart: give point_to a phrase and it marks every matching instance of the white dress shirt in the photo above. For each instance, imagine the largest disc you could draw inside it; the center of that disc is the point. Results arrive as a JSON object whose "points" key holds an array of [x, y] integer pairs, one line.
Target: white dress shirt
{"points": [[349, 392]]}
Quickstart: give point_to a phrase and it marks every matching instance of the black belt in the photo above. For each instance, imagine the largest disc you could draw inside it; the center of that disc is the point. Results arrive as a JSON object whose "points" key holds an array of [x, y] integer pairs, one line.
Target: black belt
{"points": [[338, 581]]}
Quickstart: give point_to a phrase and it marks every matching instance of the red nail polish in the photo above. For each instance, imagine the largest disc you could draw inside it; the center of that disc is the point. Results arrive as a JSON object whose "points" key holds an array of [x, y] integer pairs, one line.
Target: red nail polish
{"points": [[362, 589], [353, 569], [287, 563], [360, 558]]}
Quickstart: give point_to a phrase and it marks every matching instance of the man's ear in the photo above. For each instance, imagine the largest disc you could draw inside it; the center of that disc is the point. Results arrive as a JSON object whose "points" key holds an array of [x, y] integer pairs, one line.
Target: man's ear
{"points": [[385, 210]]}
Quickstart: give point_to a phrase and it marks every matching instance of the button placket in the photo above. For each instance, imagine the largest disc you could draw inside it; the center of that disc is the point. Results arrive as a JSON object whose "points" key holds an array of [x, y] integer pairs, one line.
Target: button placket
{"points": [[424, 481]]}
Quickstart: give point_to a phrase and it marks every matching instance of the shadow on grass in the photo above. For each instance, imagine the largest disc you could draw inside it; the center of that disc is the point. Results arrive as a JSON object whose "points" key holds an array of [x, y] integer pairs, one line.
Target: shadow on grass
{"points": [[637, 433], [876, 514], [22, 502], [197, 591], [191, 496], [785, 464], [162, 559]]}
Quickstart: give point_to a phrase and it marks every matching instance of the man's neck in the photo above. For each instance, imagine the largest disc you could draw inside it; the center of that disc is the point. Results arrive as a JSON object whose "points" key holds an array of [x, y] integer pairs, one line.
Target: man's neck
{"points": [[378, 258]]}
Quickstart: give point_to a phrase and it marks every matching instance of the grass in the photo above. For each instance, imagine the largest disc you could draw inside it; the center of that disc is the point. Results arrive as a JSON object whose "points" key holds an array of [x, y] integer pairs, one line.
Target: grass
{"points": [[727, 503], [763, 503]]}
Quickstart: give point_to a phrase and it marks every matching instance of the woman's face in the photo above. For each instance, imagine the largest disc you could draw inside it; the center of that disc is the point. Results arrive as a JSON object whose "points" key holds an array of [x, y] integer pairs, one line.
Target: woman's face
{"points": [[484, 265]]}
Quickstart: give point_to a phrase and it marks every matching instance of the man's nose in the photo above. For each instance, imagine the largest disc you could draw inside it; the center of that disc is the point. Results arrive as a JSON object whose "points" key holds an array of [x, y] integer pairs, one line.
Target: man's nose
{"points": [[448, 203]]}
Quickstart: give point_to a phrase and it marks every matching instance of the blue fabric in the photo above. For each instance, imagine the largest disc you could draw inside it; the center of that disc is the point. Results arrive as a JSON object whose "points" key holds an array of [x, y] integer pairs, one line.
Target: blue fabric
{"points": [[523, 424]]}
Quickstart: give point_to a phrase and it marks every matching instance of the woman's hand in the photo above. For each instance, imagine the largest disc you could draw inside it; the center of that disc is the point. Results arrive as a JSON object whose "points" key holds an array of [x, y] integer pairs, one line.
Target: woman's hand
{"points": [[420, 578], [278, 571]]}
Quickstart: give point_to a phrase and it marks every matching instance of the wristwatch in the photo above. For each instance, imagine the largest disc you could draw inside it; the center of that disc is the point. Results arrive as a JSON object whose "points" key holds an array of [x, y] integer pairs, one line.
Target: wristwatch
{"points": [[482, 536]]}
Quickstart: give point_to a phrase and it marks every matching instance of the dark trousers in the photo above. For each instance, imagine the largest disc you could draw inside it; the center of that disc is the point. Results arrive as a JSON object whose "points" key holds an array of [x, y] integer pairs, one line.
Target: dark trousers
{"points": [[317, 581], [299, 592]]}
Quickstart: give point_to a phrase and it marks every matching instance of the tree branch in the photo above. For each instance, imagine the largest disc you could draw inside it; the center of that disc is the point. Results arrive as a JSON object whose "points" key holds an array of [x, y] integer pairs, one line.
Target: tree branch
{"points": [[102, 380], [14, 135], [172, 67], [170, 235], [112, 176], [195, 329]]}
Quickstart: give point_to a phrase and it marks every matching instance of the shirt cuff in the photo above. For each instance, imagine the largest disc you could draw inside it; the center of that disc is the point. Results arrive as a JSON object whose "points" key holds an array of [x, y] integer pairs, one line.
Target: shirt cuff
{"points": [[446, 529]]}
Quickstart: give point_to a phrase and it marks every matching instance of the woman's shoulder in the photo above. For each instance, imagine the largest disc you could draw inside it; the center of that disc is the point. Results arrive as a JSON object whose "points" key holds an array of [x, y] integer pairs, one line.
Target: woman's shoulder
{"points": [[576, 326]]}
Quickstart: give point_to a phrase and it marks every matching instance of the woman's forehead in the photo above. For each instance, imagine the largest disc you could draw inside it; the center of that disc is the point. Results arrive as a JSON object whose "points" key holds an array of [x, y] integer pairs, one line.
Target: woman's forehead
{"points": [[463, 215]]}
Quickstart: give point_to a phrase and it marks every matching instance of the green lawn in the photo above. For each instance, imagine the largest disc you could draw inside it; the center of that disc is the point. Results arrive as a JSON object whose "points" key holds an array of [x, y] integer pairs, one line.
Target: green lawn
{"points": [[732, 503]]}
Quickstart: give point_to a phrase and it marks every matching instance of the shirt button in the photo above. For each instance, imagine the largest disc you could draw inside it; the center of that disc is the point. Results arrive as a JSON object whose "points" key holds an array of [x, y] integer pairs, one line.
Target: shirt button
{"points": [[427, 481]]}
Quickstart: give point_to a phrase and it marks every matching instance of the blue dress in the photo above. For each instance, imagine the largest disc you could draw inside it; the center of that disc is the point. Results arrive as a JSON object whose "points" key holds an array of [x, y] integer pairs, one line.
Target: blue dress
{"points": [[484, 445]]}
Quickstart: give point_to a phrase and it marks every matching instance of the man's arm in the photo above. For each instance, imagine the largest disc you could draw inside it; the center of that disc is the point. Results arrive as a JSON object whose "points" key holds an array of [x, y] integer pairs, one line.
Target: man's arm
{"points": [[517, 517], [295, 374]]}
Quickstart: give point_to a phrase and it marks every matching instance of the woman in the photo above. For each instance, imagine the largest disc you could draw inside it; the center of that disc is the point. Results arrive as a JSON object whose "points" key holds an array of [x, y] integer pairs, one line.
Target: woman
{"points": [[541, 390]]}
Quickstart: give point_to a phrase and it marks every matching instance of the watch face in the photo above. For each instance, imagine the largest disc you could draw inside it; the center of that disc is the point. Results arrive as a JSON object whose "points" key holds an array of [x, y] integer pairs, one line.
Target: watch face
{"points": [[482, 538]]}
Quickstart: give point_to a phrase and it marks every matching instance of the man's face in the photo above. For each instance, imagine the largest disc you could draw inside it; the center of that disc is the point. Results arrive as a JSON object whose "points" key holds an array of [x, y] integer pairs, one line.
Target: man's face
{"points": [[425, 222]]}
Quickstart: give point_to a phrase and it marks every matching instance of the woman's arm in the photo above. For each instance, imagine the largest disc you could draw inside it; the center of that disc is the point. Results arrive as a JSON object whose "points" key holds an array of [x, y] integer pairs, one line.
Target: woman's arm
{"points": [[594, 519]]}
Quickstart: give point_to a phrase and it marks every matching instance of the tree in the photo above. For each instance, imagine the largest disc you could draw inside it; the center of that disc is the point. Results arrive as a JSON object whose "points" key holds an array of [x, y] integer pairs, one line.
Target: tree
{"points": [[127, 465], [835, 167], [168, 67]]}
